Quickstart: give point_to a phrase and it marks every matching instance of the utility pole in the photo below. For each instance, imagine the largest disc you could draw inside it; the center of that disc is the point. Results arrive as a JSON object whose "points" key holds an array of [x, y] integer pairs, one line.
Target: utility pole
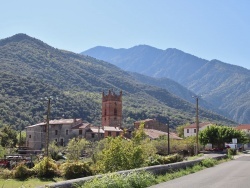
{"points": [[47, 127], [168, 140], [197, 124]]}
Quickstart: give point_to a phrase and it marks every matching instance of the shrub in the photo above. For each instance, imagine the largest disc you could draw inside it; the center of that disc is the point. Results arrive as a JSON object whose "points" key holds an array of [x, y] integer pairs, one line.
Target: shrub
{"points": [[208, 162], [22, 171], [231, 152], [5, 173], [75, 170], [134, 179], [158, 159], [46, 168]]}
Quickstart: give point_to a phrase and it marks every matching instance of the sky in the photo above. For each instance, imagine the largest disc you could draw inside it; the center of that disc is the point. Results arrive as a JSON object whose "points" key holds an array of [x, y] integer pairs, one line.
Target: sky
{"points": [[210, 29]]}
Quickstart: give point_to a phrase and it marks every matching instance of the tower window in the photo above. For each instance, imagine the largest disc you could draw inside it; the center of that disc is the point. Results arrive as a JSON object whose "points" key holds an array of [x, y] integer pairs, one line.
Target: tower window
{"points": [[115, 112]]}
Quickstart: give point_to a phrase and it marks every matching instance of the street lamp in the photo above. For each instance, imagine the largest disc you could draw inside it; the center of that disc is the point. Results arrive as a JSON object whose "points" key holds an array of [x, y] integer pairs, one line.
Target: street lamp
{"points": [[197, 123]]}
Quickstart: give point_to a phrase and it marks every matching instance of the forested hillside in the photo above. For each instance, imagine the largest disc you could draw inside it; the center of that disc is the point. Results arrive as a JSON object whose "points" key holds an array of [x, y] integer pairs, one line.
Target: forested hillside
{"points": [[32, 70], [225, 86]]}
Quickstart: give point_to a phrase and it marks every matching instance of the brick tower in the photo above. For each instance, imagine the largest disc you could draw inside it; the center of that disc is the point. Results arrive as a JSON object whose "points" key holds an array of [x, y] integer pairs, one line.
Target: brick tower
{"points": [[112, 109]]}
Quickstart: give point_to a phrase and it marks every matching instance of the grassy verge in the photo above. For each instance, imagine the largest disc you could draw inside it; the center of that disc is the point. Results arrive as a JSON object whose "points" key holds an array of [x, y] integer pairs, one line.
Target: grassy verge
{"points": [[144, 179], [29, 183]]}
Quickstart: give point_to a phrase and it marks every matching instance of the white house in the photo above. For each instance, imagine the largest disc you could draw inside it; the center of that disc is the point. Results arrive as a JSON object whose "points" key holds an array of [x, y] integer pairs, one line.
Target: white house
{"points": [[190, 130]]}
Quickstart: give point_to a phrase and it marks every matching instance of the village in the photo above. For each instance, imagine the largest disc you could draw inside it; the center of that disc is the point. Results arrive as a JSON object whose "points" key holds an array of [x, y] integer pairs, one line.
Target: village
{"points": [[62, 130]]}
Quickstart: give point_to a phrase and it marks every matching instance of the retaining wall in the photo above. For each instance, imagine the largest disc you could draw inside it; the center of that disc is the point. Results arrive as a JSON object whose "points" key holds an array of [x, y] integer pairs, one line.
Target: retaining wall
{"points": [[157, 169]]}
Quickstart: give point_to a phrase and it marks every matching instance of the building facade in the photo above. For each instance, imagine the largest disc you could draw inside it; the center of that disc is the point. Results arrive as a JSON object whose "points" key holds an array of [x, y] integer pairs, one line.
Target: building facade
{"points": [[190, 130], [112, 109], [62, 130]]}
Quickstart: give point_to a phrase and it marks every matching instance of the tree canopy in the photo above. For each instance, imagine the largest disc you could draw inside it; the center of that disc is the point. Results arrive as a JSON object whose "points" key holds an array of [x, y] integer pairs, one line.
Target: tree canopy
{"points": [[219, 135]]}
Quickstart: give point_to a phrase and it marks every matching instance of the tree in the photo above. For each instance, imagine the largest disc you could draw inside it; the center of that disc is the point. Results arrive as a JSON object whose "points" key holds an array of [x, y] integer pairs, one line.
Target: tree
{"points": [[8, 137], [180, 130], [75, 148], [139, 134], [55, 151], [119, 154], [21, 137], [218, 135]]}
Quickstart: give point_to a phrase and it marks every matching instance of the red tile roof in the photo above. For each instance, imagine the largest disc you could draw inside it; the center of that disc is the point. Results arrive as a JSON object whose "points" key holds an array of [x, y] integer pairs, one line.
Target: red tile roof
{"points": [[243, 126], [152, 133], [194, 125], [145, 120], [63, 121], [109, 128]]}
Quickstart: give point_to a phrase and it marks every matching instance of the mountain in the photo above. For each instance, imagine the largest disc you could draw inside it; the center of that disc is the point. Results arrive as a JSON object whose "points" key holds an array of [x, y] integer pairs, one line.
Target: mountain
{"points": [[31, 70], [174, 88], [224, 86]]}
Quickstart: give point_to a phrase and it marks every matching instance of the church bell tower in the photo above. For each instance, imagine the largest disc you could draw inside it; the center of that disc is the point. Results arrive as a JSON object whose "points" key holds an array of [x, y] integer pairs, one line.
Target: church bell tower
{"points": [[112, 109]]}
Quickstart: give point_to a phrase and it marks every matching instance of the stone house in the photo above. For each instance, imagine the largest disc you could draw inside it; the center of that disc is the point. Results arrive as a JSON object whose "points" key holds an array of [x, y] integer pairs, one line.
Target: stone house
{"points": [[154, 129], [62, 130]]}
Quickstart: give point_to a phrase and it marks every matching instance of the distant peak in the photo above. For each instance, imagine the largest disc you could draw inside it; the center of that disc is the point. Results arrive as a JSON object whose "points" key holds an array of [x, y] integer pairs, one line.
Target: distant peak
{"points": [[144, 46], [20, 36]]}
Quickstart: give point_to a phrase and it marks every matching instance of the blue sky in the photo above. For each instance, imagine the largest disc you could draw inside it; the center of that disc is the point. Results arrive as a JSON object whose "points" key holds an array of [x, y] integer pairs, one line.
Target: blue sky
{"points": [[210, 29]]}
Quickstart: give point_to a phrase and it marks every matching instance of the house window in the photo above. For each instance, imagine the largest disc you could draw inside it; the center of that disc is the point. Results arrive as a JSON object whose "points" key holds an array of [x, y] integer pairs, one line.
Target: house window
{"points": [[109, 133], [29, 136], [80, 132], [194, 130], [117, 133], [187, 130], [93, 135], [56, 132], [67, 132]]}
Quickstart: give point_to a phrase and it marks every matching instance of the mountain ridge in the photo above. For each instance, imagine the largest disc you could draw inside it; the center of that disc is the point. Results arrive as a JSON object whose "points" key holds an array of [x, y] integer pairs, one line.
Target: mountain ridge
{"points": [[81, 79], [217, 81]]}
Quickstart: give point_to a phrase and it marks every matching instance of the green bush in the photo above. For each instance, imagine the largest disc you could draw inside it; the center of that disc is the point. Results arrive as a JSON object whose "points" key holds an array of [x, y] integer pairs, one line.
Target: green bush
{"points": [[231, 152], [134, 179], [22, 171], [75, 170], [208, 162], [158, 159], [46, 168]]}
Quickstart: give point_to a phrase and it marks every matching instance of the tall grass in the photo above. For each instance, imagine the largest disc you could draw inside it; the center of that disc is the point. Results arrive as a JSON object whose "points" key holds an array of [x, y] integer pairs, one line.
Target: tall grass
{"points": [[114, 180]]}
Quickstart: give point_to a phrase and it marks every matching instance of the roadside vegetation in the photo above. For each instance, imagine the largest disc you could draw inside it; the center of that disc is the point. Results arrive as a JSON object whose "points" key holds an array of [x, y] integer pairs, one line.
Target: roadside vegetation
{"points": [[144, 179], [81, 158]]}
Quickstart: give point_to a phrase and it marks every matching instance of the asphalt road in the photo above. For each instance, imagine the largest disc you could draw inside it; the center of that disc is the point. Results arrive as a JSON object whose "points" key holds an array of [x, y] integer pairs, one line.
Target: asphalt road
{"points": [[232, 174]]}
